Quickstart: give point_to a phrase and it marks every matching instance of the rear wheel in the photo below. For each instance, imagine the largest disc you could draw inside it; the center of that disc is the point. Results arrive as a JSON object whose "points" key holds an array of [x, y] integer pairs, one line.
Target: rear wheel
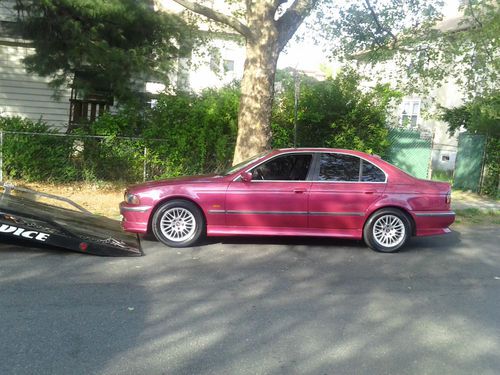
{"points": [[178, 223], [387, 230]]}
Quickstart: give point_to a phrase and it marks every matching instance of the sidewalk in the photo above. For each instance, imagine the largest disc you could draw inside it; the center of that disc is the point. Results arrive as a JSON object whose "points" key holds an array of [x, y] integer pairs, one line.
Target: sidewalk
{"points": [[462, 200]]}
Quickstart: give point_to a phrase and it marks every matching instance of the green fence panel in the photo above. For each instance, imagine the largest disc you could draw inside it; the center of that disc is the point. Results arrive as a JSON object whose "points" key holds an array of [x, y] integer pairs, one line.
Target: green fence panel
{"points": [[410, 150], [469, 162]]}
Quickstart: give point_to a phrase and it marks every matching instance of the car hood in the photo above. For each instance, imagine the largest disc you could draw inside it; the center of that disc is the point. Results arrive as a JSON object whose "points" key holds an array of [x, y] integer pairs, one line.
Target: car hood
{"points": [[176, 181]]}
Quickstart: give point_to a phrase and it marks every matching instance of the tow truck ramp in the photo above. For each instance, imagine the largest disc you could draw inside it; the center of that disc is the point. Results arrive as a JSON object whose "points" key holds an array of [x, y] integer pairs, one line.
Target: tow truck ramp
{"points": [[24, 218]]}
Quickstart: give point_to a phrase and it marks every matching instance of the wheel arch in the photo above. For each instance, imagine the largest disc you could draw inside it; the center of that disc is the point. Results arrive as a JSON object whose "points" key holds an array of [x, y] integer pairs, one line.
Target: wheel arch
{"points": [[172, 198], [403, 209]]}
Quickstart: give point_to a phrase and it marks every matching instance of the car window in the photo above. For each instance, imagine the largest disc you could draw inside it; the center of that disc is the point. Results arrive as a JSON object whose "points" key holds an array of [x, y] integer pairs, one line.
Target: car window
{"points": [[243, 164], [292, 167], [371, 173], [339, 167]]}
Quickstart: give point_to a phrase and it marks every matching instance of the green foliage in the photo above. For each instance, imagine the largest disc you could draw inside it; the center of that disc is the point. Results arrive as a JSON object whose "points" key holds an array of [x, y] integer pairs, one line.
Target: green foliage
{"points": [[183, 135], [424, 51], [446, 176], [189, 134], [35, 157], [491, 178], [112, 41], [333, 113], [199, 132], [481, 115], [477, 216], [115, 157]]}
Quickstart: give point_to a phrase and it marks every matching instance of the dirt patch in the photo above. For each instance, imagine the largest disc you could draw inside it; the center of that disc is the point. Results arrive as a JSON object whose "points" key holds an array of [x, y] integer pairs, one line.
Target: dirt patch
{"points": [[98, 199]]}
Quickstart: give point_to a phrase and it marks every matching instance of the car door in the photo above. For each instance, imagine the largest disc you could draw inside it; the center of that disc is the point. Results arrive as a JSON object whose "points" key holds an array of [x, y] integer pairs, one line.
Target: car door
{"points": [[277, 195], [344, 187]]}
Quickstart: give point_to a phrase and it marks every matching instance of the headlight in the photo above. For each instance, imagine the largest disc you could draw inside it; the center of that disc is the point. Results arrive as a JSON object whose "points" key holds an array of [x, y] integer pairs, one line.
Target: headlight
{"points": [[131, 198]]}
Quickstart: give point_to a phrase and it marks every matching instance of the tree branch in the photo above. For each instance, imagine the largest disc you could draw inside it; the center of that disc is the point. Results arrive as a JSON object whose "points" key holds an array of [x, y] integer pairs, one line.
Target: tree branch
{"points": [[290, 21], [474, 15], [277, 3], [377, 22], [216, 16]]}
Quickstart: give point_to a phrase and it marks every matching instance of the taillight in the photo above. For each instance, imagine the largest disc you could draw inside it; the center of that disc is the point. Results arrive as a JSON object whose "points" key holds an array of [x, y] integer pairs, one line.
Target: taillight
{"points": [[448, 198]]}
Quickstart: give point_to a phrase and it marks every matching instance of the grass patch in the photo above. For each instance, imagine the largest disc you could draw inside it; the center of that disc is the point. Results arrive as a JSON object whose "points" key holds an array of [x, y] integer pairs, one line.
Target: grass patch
{"points": [[446, 176], [477, 216], [470, 196]]}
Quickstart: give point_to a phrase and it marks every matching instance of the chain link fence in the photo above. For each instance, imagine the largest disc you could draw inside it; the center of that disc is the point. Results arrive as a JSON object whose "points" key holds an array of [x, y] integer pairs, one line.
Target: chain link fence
{"points": [[411, 151], [58, 157]]}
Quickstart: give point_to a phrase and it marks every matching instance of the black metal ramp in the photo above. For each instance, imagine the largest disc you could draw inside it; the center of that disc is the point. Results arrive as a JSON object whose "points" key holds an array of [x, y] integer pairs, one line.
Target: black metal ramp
{"points": [[41, 223]]}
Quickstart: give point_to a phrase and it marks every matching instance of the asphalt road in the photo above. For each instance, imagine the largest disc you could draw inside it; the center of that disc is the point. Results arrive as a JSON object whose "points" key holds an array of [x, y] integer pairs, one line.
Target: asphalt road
{"points": [[253, 306]]}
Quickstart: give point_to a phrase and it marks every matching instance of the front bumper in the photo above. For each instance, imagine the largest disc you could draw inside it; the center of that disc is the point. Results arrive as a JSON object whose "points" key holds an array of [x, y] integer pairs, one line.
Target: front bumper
{"points": [[135, 218]]}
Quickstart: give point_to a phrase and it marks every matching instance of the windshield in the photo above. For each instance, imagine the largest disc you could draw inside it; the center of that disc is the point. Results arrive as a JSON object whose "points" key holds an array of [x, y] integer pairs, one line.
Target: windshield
{"points": [[243, 164]]}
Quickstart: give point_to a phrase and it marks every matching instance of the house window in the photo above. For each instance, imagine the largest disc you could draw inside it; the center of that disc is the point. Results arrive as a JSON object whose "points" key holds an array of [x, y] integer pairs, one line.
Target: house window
{"points": [[214, 61], [228, 66], [410, 113], [90, 98], [88, 108]]}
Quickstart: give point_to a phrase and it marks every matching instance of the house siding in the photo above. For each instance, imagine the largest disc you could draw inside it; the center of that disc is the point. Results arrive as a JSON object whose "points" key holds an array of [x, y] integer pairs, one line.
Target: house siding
{"points": [[25, 94], [28, 95], [7, 10]]}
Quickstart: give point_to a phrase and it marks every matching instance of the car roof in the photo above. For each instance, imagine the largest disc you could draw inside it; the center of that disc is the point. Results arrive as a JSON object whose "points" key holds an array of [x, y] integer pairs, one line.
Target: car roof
{"points": [[325, 149]]}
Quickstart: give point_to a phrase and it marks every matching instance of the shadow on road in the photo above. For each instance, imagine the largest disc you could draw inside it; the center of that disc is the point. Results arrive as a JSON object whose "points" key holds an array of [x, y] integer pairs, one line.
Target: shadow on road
{"points": [[248, 305]]}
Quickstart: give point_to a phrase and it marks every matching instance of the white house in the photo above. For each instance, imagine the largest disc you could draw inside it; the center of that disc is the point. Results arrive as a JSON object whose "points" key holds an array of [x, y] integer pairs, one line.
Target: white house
{"points": [[216, 63], [417, 112], [28, 95], [21, 93]]}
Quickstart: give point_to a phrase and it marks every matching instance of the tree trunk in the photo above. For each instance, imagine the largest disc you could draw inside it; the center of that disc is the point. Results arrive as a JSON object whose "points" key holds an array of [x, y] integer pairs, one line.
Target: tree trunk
{"points": [[265, 38], [257, 89]]}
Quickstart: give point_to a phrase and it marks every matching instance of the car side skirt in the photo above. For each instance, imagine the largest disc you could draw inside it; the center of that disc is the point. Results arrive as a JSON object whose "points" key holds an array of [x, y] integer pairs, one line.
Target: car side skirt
{"points": [[219, 230]]}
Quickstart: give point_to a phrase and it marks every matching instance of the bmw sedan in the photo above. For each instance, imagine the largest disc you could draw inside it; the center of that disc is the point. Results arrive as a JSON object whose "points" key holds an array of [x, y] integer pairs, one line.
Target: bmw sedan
{"points": [[293, 192]]}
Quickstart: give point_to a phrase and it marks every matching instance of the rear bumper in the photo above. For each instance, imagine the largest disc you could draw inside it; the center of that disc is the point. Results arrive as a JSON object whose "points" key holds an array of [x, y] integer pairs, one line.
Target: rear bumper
{"points": [[430, 223], [135, 218]]}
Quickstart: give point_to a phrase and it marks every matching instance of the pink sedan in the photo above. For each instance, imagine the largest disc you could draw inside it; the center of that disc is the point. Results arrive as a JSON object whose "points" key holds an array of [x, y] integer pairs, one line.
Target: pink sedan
{"points": [[293, 192]]}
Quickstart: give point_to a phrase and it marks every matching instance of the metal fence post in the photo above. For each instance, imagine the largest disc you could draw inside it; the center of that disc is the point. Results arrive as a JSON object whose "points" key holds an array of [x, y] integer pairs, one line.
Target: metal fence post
{"points": [[429, 164], [144, 172], [483, 166], [296, 79], [1, 155]]}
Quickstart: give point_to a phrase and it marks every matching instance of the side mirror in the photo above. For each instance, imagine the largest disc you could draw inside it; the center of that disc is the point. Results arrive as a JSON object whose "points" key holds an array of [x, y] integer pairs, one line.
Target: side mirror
{"points": [[246, 176]]}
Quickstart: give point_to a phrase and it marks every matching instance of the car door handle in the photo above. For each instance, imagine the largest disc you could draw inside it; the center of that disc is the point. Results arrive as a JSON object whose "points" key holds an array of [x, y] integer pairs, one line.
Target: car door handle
{"points": [[299, 191], [369, 192]]}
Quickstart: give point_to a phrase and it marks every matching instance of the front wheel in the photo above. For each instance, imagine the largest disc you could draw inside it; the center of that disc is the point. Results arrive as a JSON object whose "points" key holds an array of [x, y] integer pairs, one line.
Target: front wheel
{"points": [[387, 230], [178, 223]]}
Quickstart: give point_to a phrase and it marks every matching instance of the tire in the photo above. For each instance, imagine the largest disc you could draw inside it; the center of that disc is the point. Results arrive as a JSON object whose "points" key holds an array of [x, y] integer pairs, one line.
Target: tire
{"points": [[178, 223], [387, 230]]}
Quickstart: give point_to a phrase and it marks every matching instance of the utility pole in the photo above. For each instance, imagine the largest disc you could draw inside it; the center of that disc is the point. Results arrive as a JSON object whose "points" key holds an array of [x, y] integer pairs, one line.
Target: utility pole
{"points": [[296, 79]]}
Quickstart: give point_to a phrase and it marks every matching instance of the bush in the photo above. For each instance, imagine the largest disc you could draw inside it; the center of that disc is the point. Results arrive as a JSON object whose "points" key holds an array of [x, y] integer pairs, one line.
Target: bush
{"points": [[333, 113], [113, 158], [199, 132], [480, 115], [491, 178], [190, 134], [35, 157]]}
